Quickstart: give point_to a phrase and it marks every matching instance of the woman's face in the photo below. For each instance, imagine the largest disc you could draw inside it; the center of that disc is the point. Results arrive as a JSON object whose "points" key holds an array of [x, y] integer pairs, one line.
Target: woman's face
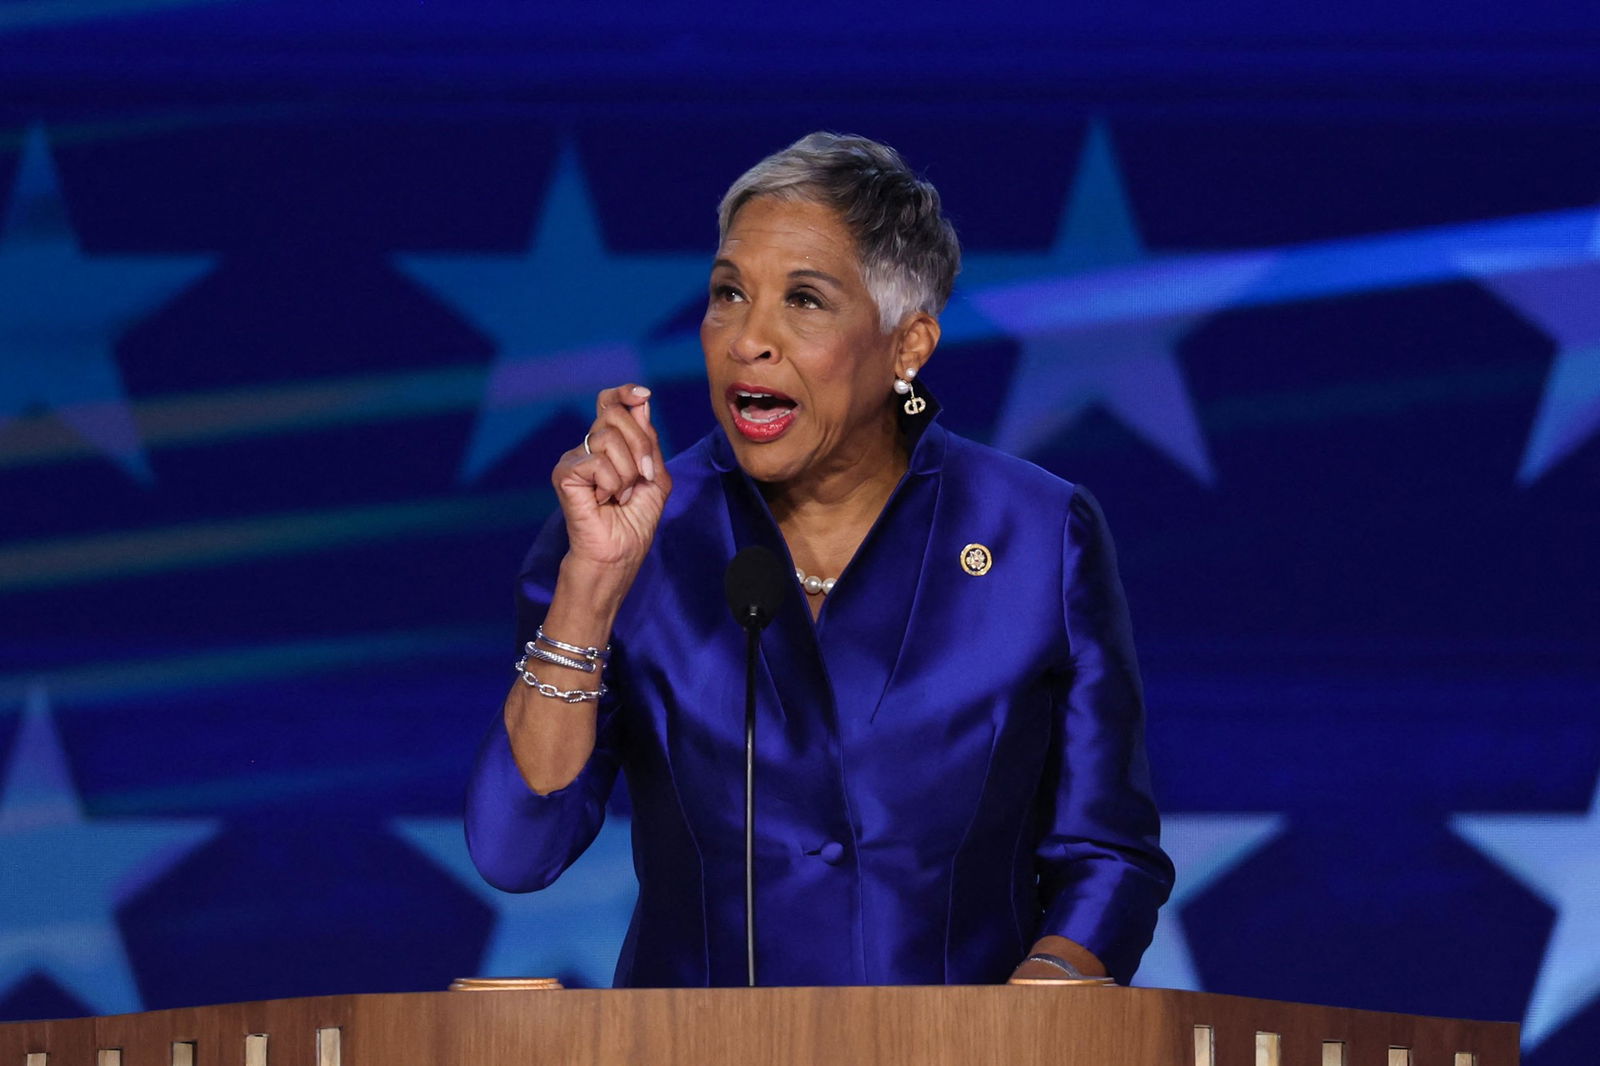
{"points": [[800, 373]]}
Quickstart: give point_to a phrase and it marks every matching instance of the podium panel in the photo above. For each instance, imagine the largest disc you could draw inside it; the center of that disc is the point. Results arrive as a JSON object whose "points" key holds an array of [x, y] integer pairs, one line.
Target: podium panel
{"points": [[892, 1026]]}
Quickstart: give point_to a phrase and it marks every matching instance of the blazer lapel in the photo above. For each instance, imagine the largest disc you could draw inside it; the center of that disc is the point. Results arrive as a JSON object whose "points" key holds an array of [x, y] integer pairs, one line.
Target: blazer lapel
{"points": [[867, 620], [789, 649]]}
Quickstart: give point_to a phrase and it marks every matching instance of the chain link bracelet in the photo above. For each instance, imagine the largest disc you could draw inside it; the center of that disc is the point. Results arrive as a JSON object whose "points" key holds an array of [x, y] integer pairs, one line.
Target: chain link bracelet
{"points": [[549, 691]]}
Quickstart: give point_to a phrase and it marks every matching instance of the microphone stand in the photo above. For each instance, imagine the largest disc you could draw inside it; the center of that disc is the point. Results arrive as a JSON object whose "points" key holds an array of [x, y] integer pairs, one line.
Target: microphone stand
{"points": [[755, 584], [752, 629]]}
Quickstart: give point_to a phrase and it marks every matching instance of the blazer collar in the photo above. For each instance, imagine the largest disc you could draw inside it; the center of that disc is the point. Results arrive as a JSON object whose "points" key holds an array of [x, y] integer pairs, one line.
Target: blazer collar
{"points": [[842, 665]]}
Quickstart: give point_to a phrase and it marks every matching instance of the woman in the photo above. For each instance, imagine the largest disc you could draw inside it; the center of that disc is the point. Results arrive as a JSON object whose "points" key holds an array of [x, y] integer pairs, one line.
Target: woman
{"points": [[951, 776]]}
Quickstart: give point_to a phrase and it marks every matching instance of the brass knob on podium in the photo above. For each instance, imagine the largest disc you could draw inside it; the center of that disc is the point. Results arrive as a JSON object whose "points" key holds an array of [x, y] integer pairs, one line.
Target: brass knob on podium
{"points": [[502, 984]]}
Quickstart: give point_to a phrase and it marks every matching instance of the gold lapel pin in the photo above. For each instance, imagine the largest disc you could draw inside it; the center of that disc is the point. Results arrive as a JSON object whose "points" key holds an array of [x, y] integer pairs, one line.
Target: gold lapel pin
{"points": [[976, 559]]}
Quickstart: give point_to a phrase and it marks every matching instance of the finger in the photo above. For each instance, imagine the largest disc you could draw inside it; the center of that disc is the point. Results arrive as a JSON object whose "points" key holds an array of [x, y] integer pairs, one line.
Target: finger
{"points": [[641, 442], [641, 416], [651, 461], [612, 443], [577, 469], [634, 400], [566, 467], [624, 396], [598, 472]]}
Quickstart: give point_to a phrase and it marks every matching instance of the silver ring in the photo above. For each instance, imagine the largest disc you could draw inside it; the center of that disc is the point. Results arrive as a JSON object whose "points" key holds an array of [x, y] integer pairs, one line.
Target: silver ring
{"points": [[586, 450]]}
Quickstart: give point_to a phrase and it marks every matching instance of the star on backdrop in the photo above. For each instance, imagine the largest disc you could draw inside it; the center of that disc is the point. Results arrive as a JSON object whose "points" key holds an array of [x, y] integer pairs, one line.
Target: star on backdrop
{"points": [[574, 928], [1557, 857], [567, 317], [1203, 847], [65, 875], [1563, 300], [1127, 364], [61, 313]]}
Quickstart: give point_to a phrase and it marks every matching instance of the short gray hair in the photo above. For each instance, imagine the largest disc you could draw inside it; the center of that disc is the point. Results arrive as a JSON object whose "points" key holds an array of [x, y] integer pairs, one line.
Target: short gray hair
{"points": [[908, 250]]}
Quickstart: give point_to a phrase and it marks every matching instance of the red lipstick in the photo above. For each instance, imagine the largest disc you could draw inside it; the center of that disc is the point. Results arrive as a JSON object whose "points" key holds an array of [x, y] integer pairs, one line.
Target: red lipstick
{"points": [[760, 414]]}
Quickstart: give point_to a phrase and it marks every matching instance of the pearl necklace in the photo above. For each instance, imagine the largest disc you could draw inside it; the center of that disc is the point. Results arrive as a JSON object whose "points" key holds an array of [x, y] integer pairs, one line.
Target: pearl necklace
{"points": [[814, 586]]}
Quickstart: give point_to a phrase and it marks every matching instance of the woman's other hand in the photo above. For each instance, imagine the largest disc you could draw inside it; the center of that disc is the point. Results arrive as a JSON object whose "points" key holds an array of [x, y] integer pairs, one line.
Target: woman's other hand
{"points": [[1072, 953]]}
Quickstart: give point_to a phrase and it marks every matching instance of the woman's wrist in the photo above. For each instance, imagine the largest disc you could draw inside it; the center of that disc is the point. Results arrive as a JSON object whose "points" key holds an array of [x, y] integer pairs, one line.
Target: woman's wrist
{"points": [[588, 596]]}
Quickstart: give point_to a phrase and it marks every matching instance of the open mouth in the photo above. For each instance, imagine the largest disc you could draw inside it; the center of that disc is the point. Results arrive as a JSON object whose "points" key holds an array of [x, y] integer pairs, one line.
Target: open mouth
{"points": [[760, 414]]}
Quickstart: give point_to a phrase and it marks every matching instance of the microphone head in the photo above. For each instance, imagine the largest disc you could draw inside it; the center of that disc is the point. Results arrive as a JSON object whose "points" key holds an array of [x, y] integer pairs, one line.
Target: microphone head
{"points": [[755, 584]]}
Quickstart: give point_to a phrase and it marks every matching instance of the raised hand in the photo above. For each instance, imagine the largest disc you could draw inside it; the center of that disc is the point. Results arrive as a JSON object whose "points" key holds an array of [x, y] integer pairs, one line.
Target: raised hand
{"points": [[613, 488]]}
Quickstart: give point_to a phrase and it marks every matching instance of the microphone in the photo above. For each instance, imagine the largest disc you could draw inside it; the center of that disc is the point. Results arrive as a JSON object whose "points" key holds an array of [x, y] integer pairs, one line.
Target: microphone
{"points": [[755, 585]]}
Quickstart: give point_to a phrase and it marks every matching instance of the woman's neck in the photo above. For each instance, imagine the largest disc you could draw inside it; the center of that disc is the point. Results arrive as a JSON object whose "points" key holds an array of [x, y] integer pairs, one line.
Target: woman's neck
{"points": [[852, 491], [824, 519]]}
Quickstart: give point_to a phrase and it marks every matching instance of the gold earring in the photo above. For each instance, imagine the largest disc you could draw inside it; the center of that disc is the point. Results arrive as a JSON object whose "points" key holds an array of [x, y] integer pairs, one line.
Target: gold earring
{"points": [[914, 404]]}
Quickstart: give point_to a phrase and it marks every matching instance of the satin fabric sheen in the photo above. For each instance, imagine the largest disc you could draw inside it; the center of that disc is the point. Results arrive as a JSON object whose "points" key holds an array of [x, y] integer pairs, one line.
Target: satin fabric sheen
{"points": [[948, 766]]}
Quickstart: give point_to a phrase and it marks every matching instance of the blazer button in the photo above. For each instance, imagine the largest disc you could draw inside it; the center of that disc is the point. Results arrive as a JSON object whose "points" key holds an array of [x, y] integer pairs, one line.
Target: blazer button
{"points": [[832, 853]]}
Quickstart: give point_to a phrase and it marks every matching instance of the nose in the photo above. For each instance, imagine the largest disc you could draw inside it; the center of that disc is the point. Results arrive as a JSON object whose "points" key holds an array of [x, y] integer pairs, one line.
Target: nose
{"points": [[752, 341]]}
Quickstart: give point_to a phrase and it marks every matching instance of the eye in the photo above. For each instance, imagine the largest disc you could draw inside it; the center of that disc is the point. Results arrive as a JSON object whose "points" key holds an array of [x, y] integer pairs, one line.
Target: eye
{"points": [[805, 298], [727, 294]]}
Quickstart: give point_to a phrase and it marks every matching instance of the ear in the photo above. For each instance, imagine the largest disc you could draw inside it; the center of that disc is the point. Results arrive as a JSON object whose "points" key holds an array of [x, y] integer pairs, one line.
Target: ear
{"points": [[919, 336]]}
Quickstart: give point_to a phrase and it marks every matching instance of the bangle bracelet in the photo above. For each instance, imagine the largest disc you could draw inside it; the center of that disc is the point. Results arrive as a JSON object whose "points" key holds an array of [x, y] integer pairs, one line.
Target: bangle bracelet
{"points": [[1057, 961], [549, 691], [572, 649], [533, 651]]}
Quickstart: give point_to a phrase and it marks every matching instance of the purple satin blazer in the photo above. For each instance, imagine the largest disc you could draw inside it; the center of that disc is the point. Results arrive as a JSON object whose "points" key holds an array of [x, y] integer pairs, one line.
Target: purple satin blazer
{"points": [[949, 765]]}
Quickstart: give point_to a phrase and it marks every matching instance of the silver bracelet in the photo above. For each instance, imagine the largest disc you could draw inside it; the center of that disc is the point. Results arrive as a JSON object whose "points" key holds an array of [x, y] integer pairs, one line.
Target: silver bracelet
{"points": [[533, 651], [549, 691], [591, 654], [1057, 961]]}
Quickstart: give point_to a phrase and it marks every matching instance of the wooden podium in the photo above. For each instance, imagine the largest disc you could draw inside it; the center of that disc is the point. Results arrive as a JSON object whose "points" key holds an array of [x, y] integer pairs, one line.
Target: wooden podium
{"points": [[1059, 1025]]}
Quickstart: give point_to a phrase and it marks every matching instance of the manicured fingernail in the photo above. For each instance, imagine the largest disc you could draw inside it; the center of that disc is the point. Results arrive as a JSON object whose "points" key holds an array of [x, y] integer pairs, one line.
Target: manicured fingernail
{"points": [[648, 465], [626, 493], [641, 392]]}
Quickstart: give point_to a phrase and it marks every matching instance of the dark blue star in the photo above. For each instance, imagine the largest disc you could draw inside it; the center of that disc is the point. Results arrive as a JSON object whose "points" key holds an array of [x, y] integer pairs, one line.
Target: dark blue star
{"points": [[568, 317], [65, 875], [1122, 358], [573, 927], [1557, 856], [1203, 847], [1561, 297], [61, 313]]}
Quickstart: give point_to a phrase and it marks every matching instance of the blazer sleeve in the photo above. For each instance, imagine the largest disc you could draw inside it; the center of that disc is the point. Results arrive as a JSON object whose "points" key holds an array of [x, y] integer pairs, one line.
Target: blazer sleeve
{"points": [[518, 839], [1102, 873]]}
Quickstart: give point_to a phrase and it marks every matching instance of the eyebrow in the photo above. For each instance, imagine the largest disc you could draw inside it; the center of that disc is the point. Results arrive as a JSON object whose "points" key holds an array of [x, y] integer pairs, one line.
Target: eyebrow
{"points": [[820, 275]]}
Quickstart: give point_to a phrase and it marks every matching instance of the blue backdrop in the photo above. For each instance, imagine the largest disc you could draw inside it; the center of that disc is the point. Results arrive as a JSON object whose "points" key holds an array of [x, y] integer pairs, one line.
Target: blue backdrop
{"points": [[299, 302]]}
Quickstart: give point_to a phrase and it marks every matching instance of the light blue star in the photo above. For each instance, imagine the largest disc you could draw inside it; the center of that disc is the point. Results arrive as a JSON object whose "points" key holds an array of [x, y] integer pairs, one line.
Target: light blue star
{"points": [[1203, 847], [1563, 299], [64, 875], [61, 313], [1557, 857], [575, 926], [567, 317], [1124, 362]]}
